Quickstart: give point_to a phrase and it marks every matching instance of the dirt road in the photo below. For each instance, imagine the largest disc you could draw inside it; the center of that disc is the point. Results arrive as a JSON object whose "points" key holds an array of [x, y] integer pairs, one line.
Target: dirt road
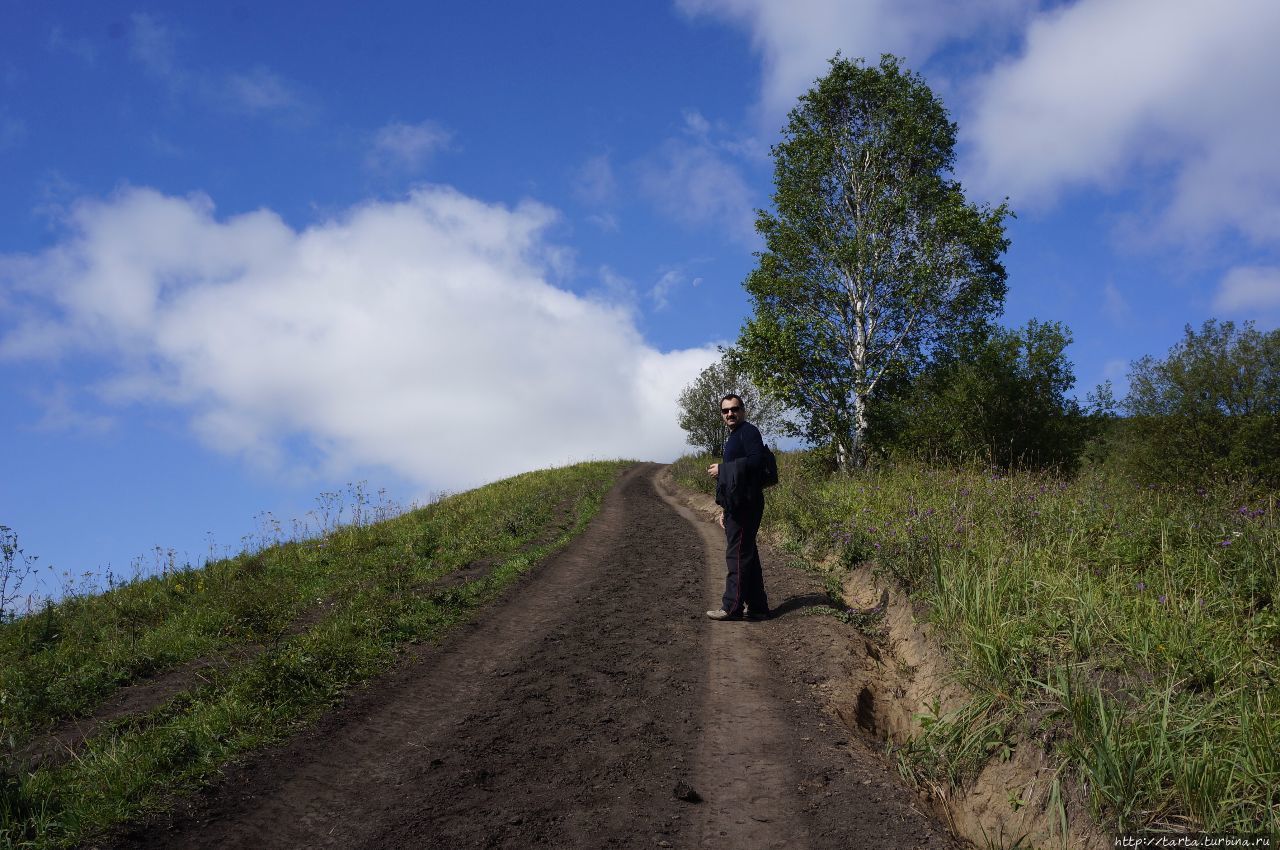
{"points": [[570, 712]]}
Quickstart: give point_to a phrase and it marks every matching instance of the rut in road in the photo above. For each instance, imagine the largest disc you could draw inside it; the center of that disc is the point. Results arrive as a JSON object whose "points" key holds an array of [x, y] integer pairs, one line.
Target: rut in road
{"points": [[566, 714]]}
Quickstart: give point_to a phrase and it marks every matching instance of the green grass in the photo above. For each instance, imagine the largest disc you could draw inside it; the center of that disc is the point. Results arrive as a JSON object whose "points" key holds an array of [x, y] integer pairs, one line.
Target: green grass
{"points": [[1135, 628], [376, 581]]}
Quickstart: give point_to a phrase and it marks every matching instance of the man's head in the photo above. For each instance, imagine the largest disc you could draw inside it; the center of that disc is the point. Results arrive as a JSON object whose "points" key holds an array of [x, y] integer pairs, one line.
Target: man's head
{"points": [[731, 410]]}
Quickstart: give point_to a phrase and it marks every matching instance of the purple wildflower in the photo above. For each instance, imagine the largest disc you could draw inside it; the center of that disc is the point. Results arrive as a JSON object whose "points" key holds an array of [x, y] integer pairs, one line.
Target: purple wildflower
{"points": [[1142, 585]]}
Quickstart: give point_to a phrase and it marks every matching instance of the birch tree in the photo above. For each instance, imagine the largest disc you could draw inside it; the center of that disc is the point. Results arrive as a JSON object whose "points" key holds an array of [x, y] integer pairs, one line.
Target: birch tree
{"points": [[873, 257]]}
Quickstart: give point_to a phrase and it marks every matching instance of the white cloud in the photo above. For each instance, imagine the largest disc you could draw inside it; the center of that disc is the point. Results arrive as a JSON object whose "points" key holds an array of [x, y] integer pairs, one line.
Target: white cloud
{"points": [[1249, 290], [606, 222], [693, 182], [81, 48], [407, 146], [152, 44], [12, 131], [616, 290], [257, 90], [260, 90], [1114, 304], [795, 39], [1107, 88], [423, 336], [670, 279], [594, 182], [696, 124], [61, 413]]}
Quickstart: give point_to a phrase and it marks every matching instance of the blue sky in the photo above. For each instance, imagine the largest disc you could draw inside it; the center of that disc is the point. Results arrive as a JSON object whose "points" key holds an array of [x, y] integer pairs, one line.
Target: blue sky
{"points": [[250, 253]]}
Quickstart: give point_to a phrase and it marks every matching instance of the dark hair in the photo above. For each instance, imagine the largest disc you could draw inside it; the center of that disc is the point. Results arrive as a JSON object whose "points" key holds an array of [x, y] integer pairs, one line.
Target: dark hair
{"points": [[735, 397]]}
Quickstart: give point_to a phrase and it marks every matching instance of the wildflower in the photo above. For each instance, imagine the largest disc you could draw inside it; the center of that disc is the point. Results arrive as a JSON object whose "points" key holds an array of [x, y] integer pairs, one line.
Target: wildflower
{"points": [[1225, 543], [1142, 585], [1164, 600]]}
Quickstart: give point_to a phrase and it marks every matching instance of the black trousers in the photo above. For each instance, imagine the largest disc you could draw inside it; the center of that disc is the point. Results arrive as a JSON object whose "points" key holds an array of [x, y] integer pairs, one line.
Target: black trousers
{"points": [[744, 584]]}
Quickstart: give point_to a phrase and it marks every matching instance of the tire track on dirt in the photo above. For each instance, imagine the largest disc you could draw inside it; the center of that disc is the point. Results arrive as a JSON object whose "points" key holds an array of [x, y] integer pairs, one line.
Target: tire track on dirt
{"points": [[565, 715]]}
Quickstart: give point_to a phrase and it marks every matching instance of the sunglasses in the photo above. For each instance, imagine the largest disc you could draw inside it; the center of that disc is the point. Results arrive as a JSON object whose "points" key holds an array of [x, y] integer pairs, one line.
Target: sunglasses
{"points": [[737, 408]]}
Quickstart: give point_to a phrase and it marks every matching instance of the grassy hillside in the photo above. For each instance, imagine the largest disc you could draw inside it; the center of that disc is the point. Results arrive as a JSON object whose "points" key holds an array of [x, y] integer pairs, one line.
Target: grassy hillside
{"points": [[1134, 628], [238, 654]]}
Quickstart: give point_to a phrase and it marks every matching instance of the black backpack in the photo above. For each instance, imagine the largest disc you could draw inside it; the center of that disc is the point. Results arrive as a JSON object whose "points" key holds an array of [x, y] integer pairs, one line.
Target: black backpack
{"points": [[768, 469]]}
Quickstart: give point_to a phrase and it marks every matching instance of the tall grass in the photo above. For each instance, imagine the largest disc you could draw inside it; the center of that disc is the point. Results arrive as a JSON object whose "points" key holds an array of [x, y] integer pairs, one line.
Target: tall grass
{"points": [[308, 619], [1134, 628]]}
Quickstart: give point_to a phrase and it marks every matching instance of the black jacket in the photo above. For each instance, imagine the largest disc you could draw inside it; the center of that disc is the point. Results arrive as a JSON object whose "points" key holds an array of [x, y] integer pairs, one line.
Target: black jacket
{"points": [[739, 479], [734, 487]]}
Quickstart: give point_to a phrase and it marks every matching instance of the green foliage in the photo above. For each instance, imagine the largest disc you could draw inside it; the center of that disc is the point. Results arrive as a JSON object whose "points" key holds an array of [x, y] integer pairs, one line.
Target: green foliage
{"points": [[287, 655], [699, 405], [1000, 398], [873, 257], [1210, 408]]}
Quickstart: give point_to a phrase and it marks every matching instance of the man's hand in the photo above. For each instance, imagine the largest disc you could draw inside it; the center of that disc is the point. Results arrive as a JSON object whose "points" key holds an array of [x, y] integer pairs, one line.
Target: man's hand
{"points": [[713, 470], [720, 519]]}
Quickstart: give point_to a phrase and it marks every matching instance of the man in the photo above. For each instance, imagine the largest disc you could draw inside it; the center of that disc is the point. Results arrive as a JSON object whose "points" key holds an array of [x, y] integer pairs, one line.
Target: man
{"points": [[741, 498]]}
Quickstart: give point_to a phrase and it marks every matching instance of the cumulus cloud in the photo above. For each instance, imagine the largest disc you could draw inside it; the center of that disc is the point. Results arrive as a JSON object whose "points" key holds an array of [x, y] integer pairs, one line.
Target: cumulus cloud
{"points": [[407, 147], [795, 39], [1107, 87], [1249, 290], [425, 336]]}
